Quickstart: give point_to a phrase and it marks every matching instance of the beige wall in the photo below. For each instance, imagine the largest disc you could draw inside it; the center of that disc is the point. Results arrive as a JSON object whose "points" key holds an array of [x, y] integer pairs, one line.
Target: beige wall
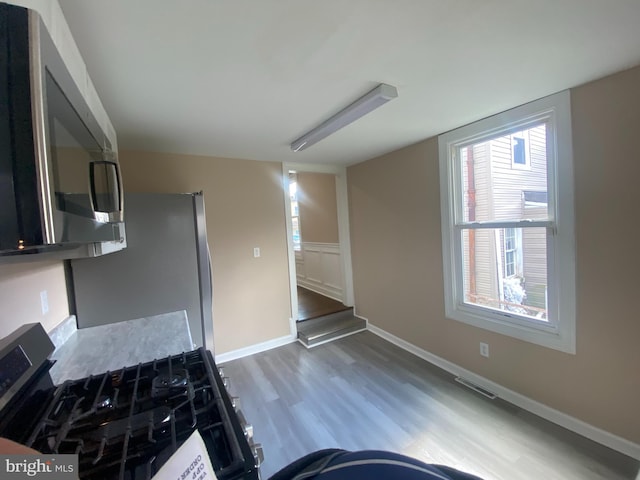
{"points": [[397, 263], [318, 207], [20, 287], [244, 205]]}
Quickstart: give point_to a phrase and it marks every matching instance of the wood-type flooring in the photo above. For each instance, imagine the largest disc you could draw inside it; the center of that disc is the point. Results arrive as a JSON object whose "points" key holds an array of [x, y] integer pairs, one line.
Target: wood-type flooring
{"points": [[362, 392], [313, 305]]}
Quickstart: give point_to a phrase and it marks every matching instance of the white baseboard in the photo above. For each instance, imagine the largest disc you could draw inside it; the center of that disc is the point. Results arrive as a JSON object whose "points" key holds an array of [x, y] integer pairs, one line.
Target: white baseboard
{"points": [[571, 423], [257, 348], [355, 314]]}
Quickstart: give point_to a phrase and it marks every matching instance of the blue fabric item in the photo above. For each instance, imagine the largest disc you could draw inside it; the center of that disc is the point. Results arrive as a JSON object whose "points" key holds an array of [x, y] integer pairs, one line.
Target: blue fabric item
{"points": [[366, 465]]}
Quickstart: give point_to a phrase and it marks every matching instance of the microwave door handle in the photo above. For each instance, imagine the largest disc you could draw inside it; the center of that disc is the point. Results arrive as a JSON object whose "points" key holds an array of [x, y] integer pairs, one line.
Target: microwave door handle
{"points": [[92, 185], [120, 213], [116, 216]]}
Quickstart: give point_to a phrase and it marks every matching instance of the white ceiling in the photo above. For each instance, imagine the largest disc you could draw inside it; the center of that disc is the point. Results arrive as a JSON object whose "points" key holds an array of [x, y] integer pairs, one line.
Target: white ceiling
{"points": [[244, 78]]}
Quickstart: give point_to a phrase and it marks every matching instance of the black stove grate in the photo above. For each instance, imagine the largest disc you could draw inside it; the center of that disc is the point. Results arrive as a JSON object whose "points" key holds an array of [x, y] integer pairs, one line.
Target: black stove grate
{"points": [[125, 425]]}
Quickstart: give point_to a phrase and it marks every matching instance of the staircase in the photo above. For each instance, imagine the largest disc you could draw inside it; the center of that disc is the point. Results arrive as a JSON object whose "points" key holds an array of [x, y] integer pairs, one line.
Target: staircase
{"points": [[329, 327]]}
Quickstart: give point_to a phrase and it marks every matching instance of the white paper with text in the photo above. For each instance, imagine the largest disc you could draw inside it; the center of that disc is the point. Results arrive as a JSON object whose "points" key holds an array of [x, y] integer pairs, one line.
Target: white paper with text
{"points": [[190, 462]]}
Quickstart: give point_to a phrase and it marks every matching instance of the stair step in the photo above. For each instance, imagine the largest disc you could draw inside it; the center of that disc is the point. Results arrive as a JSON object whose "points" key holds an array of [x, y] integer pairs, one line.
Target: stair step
{"points": [[329, 327]]}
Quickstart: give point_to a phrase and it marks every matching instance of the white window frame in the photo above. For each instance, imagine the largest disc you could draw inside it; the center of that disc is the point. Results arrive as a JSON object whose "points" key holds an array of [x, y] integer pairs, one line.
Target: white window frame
{"points": [[559, 332]]}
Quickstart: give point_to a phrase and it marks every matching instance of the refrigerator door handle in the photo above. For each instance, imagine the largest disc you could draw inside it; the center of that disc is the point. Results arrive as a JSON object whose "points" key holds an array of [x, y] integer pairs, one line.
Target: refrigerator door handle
{"points": [[205, 272]]}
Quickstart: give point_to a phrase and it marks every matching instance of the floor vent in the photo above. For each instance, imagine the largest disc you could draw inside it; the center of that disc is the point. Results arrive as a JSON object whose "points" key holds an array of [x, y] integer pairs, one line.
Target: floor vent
{"points": [[476, 388]]}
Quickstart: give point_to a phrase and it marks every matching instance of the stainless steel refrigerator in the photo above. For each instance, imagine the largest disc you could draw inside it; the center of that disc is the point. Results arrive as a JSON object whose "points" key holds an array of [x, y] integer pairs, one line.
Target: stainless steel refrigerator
{"points": [[165, 267]]}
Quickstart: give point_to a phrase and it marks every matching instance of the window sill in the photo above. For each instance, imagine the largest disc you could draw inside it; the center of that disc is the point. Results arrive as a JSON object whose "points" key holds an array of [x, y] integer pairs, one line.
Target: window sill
{"points": [[547, 336]]}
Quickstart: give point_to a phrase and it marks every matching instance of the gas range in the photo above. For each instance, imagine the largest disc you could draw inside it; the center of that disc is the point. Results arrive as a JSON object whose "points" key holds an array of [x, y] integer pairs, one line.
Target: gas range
{"points": [[124, 424]]}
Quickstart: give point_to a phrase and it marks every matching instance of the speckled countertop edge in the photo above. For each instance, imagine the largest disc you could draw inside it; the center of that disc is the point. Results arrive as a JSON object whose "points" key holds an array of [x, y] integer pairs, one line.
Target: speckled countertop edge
{"points": [[94, 350]]}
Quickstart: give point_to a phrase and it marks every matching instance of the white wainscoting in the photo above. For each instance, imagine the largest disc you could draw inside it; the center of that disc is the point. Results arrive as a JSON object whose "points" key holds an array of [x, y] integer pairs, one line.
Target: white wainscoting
{"points": [[319, 268]]}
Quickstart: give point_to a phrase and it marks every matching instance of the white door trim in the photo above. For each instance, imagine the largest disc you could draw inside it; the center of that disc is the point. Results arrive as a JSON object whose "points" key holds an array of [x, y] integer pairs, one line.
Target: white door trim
{"points": [[344, 237]]}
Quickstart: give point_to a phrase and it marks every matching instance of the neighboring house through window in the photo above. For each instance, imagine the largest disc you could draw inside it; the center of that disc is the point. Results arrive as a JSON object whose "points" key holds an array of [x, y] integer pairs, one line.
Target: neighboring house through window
{"points": [[507, 215]]}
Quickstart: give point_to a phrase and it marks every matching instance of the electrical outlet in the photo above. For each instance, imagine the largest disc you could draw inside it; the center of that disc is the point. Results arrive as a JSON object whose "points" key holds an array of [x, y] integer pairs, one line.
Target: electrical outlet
{"points": [[484, 349], [44, 302], [256, 252]]}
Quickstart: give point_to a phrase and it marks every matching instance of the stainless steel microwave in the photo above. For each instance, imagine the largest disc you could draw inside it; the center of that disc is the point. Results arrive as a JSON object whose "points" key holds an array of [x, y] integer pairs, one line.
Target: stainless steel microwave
{"points": [[60, 181]]}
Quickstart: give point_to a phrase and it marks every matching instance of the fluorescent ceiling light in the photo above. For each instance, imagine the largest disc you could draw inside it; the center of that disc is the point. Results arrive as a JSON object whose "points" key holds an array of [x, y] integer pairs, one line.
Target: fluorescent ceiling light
{"points": [[365, 104]]}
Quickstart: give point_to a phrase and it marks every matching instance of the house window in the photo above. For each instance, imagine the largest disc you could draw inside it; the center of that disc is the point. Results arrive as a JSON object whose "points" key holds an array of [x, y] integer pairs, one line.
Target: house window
{"points": [[520, 150], [508, 239], [519, 156], [510, 250], [295, 211]]}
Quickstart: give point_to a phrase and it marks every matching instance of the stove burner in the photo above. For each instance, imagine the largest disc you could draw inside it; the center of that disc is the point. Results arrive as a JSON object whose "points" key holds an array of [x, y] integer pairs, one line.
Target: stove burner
{"points": [[169, 383], [104, 402], [124, 425]]}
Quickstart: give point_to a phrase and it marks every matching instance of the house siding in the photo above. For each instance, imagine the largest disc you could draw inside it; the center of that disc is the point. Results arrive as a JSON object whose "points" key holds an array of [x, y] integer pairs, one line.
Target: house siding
{"points": [[499, 188], [486, 285], [534, 244]]}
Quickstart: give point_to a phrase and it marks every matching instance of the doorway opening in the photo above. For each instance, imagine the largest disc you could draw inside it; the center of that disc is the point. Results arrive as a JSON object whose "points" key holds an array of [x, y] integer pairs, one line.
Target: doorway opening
{"points": [[319, 253], [316, 244]]}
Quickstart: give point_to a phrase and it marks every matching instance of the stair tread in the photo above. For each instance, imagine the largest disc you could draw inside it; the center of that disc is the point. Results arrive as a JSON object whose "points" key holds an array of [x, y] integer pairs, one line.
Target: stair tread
{"points": [[326, 321], [330, 326]]}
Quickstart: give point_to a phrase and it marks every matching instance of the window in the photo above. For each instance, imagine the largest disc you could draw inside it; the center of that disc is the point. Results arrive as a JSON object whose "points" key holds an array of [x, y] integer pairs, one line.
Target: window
{"points": [[520, 152], [295, 212], [510, 252], [519, 156], [508, 239]]}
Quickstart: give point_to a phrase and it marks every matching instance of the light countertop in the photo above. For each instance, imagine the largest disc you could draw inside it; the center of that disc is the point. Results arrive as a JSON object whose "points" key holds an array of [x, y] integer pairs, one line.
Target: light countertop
{"points": [[110, 347]]}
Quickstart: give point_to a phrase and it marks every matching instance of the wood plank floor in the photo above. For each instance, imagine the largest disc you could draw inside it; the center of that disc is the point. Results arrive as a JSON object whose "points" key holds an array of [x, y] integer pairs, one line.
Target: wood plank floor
{"points": [[362, 392], [313, 305]]}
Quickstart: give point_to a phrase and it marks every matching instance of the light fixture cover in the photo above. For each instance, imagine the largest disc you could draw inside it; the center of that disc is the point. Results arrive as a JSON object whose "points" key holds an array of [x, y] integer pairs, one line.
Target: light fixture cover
{"points": [[365, 104]]}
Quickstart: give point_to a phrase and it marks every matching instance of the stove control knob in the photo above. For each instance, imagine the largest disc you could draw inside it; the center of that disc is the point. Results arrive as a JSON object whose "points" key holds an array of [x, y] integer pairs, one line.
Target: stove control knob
{"points": [[221, 371], [258, 454], [247, 428], [225, 382], [235, 403]]}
